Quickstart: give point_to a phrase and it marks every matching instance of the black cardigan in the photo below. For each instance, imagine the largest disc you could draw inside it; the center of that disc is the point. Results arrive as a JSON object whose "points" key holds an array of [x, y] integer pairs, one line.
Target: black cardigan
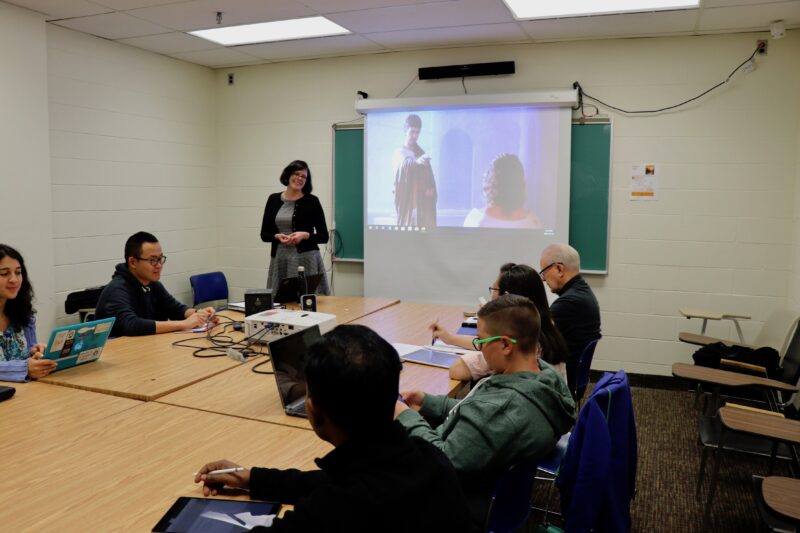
{"points": [[308, 216]]}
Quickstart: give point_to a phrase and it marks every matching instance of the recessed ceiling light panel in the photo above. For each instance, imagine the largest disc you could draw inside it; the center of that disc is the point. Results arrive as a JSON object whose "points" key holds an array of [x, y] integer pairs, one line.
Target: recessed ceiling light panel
{"points": [[279, 30], [540, 9]]}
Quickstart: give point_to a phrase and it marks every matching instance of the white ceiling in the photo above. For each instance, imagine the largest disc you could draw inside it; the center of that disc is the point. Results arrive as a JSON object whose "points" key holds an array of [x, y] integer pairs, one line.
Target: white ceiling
{"points": [[381, 25]]}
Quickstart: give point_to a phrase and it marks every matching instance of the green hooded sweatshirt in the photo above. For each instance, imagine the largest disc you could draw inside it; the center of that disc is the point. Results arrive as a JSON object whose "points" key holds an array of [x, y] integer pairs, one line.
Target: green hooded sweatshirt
{"points": [[504, 419]]}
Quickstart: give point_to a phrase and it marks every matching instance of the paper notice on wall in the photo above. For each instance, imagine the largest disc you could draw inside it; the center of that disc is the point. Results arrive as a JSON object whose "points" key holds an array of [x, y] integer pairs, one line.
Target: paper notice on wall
{"points": [[644, 183]]}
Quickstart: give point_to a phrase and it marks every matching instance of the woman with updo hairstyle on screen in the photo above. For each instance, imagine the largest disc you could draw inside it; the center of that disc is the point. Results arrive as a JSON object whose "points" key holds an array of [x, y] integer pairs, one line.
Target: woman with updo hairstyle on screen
{"points": [[504, 189], [294, 225], [521, 280]]}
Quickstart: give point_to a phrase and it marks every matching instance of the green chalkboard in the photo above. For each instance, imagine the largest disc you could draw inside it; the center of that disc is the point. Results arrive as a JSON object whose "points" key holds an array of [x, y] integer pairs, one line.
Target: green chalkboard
{"points": [[590, 169], [588, 205], [348, 193]]}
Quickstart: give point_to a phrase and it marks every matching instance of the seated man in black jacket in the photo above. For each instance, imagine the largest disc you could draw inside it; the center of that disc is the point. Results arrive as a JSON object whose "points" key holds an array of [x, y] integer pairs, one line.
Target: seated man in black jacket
{"points": [[138, 300], [378, 478]]}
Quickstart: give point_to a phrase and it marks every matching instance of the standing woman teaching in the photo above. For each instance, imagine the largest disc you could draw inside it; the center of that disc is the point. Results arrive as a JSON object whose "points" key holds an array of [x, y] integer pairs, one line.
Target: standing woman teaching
{"points": [[20, 355], [295, 225]]}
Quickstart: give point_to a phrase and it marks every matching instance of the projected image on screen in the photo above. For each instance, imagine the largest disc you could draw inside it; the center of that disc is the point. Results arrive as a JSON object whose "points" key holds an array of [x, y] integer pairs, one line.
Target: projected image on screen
{"points": [[467, 168]]}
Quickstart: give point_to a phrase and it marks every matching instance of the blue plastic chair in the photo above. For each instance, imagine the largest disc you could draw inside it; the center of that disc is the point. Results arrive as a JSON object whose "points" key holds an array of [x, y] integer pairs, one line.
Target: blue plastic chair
{"points": [[547, 470], [209, 287], [511, 499], [584, 365]]}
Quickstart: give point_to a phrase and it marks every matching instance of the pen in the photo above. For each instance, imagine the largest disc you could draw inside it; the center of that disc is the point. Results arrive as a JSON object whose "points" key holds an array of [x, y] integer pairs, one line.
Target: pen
{"points": [[433, 329], [224, 471]]}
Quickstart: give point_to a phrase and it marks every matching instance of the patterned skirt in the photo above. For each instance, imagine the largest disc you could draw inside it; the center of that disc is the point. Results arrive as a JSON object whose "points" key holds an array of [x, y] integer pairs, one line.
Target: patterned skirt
{"points": [[286, 261]]}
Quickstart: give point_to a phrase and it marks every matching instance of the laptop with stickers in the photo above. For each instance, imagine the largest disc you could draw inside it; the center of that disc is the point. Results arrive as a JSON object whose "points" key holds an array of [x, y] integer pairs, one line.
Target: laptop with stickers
{"points": [[79, 343]]}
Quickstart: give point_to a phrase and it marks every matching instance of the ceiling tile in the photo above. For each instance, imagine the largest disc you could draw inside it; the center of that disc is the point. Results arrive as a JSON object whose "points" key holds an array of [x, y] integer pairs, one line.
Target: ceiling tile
{"points": [[754, 17], [305, 48], [441, 37], [627, 25], [113, 26], [201, 14], [171, 43], [222, 57], [59, 9], [337, 6], [121, 5], [733, 3], [436, 15]]}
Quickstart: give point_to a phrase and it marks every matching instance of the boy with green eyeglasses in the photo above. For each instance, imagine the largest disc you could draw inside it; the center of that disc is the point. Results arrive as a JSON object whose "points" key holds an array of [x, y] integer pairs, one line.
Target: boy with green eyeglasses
{"points": [[517, 413]]}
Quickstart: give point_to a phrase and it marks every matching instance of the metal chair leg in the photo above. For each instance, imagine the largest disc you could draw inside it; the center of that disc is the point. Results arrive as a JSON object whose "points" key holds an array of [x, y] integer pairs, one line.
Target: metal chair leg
{"points": [[713, 482]]}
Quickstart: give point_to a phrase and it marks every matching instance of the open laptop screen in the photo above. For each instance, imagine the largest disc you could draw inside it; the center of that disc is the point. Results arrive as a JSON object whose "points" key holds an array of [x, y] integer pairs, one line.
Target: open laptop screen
{"points": [[289, 360]]}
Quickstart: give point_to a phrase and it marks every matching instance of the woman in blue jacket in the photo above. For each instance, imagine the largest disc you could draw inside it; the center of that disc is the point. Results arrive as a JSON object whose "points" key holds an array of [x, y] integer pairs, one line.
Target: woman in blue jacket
{"points": [[20, 355]]}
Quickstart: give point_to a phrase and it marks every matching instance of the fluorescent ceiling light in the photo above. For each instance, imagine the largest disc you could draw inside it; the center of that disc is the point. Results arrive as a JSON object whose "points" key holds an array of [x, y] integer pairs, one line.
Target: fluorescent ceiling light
{"points": [[540, 9], [279, 30]]}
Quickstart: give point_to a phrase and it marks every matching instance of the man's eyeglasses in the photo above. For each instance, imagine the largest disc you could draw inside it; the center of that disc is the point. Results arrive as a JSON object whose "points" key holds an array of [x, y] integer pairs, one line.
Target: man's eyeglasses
{"points": [[478, 343], [493, 289], [155, 261], [542, 271]]}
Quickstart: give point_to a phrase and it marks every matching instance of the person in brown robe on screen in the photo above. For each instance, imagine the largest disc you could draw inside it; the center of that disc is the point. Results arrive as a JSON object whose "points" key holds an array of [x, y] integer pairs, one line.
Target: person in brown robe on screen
{"points": [[414, 184]]}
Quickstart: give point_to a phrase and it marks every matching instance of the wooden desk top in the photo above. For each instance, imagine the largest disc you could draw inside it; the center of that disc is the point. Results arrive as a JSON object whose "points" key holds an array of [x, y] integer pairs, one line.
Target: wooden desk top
{"points": [[782, 494], [144, 368], [703, 340], [243, 393], [349, 308], [122, 473], [715, 376], [409, 322], [41, 413], [761, 424]]}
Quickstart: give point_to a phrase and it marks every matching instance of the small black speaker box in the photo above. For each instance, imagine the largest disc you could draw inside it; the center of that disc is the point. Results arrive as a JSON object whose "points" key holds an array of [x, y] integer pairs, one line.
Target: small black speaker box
{"points": [[309, 302], [463, 71], [257, 300]]}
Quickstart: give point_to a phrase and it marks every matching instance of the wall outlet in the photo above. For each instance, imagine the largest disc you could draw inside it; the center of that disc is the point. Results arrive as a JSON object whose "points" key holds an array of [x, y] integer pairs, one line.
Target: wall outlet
{"points": [[762, 47]]}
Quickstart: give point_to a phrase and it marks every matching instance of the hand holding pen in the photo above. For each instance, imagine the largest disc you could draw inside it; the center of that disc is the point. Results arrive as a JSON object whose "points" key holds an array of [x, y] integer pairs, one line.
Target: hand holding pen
{"points": [[224, 473]]}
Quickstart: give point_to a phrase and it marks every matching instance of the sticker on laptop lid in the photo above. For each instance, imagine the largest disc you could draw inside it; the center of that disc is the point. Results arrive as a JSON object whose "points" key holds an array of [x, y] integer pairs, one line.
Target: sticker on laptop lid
{"points": [[102, 327], [58, 341], [88, 355]]}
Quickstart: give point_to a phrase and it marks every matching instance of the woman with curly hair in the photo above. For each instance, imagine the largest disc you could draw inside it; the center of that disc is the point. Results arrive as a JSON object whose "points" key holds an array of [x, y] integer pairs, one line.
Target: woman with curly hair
{"points": [[504, 188], [20, 355]]}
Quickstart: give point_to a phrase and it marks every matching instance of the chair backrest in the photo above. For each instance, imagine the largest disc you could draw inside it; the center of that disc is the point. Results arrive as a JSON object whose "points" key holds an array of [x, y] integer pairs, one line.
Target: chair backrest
{"points": [[511, 498], [776, 330], [209, 287], [791, 357], [584, 365], [85, 299]]}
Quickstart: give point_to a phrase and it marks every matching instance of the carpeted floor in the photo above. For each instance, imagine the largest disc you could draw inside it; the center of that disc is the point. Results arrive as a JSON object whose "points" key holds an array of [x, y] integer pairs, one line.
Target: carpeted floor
{"points": [[669, 461]]}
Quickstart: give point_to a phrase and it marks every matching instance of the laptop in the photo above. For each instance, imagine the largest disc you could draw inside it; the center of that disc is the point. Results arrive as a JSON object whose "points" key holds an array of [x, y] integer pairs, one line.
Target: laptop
{"points": [[289, 361], [289, 288], [79, 343]]}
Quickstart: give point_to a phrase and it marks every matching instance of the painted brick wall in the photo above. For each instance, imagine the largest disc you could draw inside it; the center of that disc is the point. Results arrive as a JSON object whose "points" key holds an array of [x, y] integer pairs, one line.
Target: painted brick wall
{"points": [[133, 147], [722, 235]]}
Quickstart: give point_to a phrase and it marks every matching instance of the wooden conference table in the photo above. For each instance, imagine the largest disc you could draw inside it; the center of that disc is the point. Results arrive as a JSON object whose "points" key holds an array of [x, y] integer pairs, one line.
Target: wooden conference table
{"points": [[78, 460], [243, 393], [96, 462], [147, 368]]}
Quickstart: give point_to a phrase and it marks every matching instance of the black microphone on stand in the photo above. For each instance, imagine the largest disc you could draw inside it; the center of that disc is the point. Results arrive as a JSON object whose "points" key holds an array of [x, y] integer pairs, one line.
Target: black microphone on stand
{"points": [[302, 285]]}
